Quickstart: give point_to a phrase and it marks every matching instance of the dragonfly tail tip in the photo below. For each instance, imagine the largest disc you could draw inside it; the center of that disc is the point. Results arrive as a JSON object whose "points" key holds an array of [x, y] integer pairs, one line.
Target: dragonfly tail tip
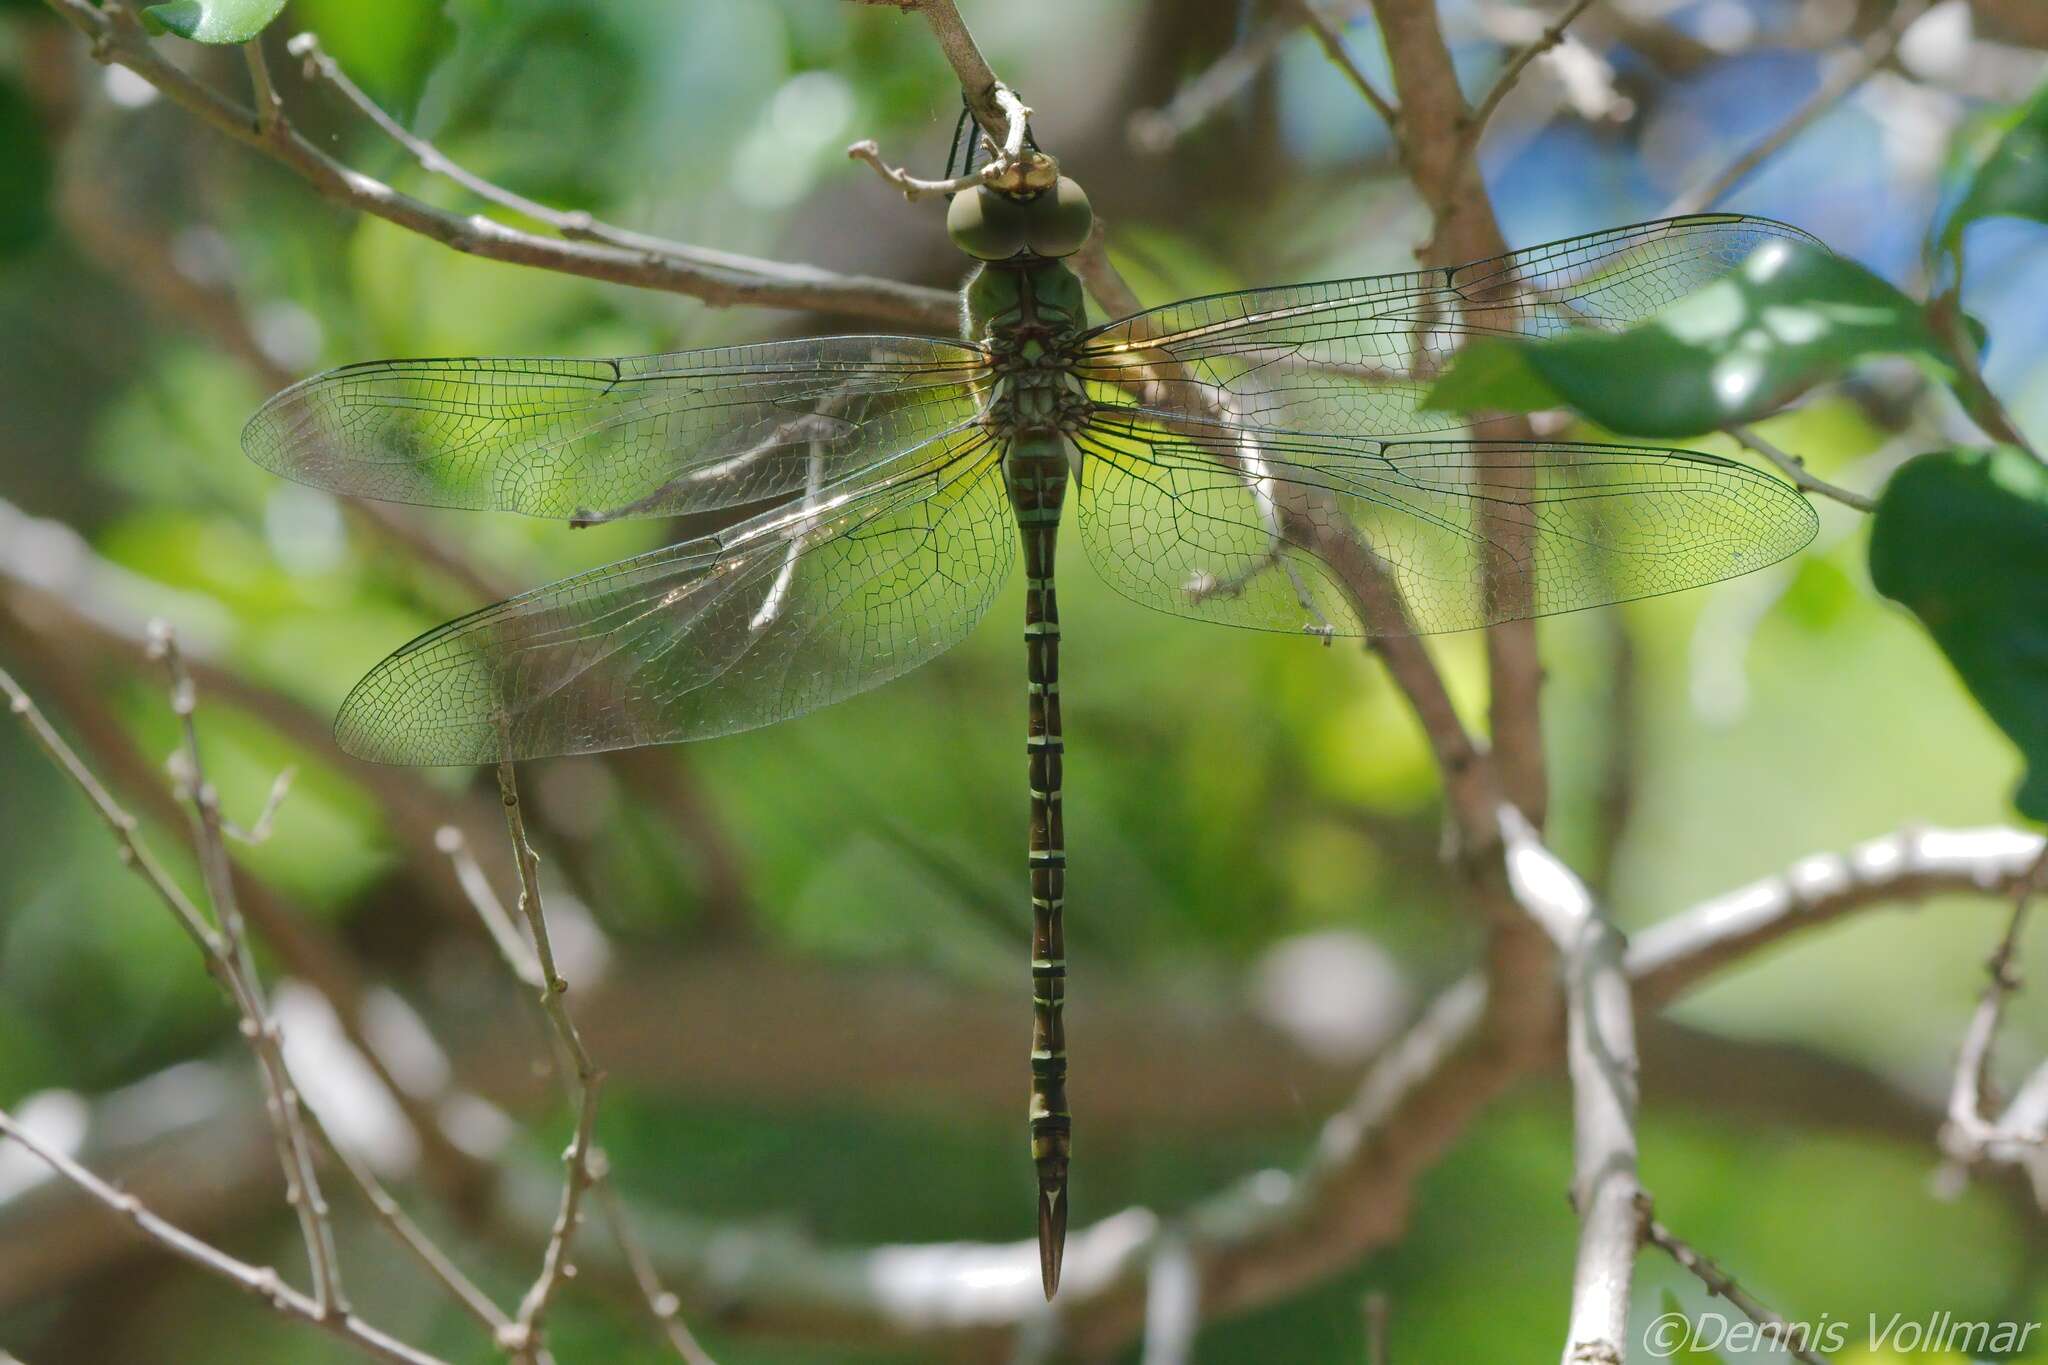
{"points": [[1052, 1232]]}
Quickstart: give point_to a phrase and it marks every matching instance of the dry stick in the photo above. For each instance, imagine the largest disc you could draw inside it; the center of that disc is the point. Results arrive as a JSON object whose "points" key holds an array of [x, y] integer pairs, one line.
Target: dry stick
{"points": [[663, 1305], [1600, 1055], [1795, 469], [1875, 51], [261, 1281], [1519, 63], [117, 37], [221, 957], [1333, 46], [295, 1150], [1969, 1132], [1784, 1335], [527, 1333], [1006, 164], [415, 1239]]}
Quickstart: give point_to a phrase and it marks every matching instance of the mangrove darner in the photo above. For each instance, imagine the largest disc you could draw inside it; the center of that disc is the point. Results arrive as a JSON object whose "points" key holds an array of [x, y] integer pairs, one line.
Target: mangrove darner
{"points": [[1256, 458]]}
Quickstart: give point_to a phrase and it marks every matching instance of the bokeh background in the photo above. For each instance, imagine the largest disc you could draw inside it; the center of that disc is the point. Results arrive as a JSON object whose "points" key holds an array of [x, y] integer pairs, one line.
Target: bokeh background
{"points": [[802, 949]]}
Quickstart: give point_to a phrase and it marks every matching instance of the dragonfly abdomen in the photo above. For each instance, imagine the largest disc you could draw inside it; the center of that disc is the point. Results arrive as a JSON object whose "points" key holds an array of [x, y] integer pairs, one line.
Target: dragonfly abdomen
{"points": [[1035, 469]]}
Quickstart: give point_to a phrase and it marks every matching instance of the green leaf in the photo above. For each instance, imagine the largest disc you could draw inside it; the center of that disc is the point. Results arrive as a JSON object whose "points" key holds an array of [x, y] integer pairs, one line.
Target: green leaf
{"points": [[1961, 538], [212, 21], [1789, 317], [2012, 180]]}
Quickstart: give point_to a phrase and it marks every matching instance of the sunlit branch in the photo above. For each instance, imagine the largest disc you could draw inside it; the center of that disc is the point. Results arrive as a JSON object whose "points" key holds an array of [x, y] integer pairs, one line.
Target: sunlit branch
{"points": [[117, 37], [1794, 468]]}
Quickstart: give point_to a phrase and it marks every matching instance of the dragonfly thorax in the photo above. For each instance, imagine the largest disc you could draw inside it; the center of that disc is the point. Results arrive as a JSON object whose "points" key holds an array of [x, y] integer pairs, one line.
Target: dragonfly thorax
{"points": [[1030, 318]]}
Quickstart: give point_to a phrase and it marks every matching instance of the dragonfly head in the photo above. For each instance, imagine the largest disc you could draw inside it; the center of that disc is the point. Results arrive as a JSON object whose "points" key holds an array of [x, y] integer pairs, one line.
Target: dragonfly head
{"points": [[994, 225]]}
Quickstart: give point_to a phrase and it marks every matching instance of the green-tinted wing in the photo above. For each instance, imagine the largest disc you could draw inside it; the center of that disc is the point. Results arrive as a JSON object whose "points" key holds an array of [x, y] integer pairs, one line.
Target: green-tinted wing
{"points": [[591, 440], [812, 603], [1356, 356], [1259, 530]]}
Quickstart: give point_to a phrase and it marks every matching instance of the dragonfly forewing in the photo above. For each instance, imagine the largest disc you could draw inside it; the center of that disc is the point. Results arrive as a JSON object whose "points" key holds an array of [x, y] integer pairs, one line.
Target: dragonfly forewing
{"points": [[595, 440], [805, 605], [1355, 357]]}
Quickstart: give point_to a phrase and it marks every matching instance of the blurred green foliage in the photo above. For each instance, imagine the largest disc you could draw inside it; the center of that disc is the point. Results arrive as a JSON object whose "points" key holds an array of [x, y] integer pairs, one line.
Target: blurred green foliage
{"points": [[1226, 791]]}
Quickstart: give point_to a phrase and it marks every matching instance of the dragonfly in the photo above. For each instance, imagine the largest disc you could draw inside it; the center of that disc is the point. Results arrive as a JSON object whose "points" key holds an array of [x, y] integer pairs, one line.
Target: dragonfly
{"points": [[1261, 459]]}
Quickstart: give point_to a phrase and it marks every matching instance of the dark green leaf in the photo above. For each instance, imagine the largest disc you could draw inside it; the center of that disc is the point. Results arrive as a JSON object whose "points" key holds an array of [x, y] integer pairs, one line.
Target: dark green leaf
{"points": [[2012, 180], [1791, 316], [212, 21], [1961, 537]]}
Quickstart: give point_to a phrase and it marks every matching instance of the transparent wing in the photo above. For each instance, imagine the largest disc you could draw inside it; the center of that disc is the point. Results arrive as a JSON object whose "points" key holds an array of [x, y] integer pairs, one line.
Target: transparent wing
{"points": [[593, 440], [1297, 533], [1356, 356], [801, 607]]}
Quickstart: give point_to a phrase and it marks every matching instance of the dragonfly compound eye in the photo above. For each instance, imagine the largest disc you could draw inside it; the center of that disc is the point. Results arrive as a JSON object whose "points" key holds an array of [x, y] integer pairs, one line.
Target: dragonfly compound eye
{"points": [[1059, 219], [987, 224]]}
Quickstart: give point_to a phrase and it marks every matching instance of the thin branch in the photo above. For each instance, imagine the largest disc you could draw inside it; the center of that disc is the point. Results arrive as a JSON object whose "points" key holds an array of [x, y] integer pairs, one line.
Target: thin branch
{"points": [[527, 1334], [1332, 44], [295, 1150], [977, 80], [1519, 63], [1782, 1335], [1795, 469], [662, 1305], [1008, 166], [1600, 1054], [414, 1239], [269, 107], [117, 37], [261, 1281], [1969, 1133], [1875, 50]]}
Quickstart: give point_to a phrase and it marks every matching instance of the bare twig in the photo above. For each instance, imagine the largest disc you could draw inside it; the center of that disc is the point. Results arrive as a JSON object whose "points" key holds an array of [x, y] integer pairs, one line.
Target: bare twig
{"points": [[295, 1149], [1517, 64], [261, 1281], [117, 36], [1332, 43], [1795, 469], [526, 1335], [1600, 1053], [1008, 166], [665, 1308], [1969, 1132], [1782, 1335], [1874, 52]]}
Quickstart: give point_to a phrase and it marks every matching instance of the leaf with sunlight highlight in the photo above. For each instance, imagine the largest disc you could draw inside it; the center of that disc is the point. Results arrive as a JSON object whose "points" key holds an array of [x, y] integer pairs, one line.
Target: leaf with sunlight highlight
{"points": [[1790, 317], [1961, 537], [213, 21]]}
